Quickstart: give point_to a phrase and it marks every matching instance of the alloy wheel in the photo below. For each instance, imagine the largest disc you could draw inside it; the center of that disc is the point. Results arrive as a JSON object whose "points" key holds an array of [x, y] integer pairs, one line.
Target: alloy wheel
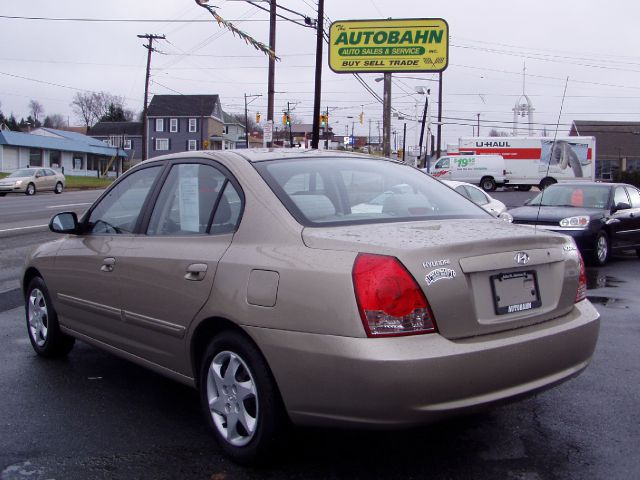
{"points": [[233, 399], [38, 317]]}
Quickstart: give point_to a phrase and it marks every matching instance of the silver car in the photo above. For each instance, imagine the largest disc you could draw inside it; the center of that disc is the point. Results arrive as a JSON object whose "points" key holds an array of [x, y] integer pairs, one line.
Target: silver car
{"points": [[32, 180], [264, 279], [481, 198]]}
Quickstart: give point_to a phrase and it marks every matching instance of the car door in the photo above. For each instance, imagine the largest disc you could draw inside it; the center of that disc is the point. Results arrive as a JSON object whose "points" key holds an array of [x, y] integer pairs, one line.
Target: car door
{"points": [[169, 271], [40, 180], [623, 224], [88, 278], [634, 197]]}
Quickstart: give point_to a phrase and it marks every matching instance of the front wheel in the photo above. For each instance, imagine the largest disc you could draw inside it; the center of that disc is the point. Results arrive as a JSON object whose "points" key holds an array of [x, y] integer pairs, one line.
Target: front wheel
{"points": [[601, 252], [488, 184], [240, 399], [31, 189], [42, 322], [58, 188]]}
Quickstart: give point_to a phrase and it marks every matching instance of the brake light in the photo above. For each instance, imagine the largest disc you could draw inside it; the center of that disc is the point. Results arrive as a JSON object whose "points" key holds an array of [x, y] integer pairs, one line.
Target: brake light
{"points": [[389, 300], [581, 293]]}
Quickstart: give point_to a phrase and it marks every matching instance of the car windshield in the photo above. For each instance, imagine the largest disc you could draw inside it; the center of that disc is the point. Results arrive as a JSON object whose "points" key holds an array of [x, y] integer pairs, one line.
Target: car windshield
{"points": [[579, 196], [24, 172], [338, 191]]}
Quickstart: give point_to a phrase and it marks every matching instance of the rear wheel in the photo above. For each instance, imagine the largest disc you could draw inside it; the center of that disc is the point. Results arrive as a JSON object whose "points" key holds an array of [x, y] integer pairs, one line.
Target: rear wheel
{"points": [[523, 188], [488, 184], [240, 399], [31, 189], [42, 322], [546, 182], [602, 249], [58, 188], [3, 194]]}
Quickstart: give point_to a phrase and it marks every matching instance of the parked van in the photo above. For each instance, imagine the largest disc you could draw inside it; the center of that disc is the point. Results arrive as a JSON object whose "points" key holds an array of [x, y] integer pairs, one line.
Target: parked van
{"points": [[487, 171]]}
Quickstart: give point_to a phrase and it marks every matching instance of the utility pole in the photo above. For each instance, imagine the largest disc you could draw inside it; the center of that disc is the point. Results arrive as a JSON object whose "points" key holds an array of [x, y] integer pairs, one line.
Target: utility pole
{"points": [[145, 121], [424, 121], [272, 63], [404, 140], [439, 114], [326, 131], [246, 118], [386, 116], [369, 137], [315, 137], [290, 122], [478, 125]]}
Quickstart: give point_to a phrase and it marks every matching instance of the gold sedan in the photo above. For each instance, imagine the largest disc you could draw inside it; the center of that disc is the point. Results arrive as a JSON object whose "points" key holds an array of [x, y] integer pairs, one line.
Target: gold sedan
{"points": [[32, 180]]}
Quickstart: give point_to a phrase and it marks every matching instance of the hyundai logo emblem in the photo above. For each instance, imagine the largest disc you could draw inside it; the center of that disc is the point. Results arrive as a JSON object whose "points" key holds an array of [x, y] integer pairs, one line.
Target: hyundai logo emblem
{"points": [[522, 258]]}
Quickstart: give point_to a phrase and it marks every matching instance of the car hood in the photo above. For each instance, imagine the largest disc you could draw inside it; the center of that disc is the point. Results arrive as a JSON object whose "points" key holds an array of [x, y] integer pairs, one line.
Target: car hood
{"points": [[454, 261], [552, 214], [14, 179]]}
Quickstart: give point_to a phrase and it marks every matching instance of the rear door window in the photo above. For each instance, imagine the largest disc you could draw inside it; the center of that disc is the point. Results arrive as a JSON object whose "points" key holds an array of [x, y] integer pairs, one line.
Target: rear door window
{"points": [[634, 195]]}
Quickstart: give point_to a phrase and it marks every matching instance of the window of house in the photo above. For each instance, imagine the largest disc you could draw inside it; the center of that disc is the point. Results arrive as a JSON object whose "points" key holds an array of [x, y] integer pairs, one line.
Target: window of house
{"points": [[127, 144], [35, 157], [77, 163], [159, 124], [173, 125], [55, 159], [162, 144], [108, 142], [192, 145], [193, 125]]}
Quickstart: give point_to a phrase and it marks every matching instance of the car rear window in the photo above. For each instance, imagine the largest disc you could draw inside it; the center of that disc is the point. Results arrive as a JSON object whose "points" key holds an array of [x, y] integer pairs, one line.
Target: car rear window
{"points": [[343, 190]]}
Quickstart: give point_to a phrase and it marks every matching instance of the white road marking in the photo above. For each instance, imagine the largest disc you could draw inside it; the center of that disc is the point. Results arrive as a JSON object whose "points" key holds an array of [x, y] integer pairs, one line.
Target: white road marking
{"points": [[23, 228], [69, 205]]}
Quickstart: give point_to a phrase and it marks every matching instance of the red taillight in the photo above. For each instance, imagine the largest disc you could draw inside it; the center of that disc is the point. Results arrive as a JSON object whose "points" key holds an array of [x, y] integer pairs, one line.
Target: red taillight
{"points": [[581, 293], [389, 299]]}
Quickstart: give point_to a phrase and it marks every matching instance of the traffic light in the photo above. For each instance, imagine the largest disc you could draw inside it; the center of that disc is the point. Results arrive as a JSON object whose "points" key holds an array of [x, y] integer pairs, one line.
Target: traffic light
{"points": [[258, 117], [323, 120], [361, 118], [284, 119]]}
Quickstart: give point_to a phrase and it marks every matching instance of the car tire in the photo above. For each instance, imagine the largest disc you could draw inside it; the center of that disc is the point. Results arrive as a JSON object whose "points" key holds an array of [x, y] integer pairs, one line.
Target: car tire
{"points": [[602, 249], [488, 184], [58, 188], [42, 322], [523, 188], [265, 421], [546, 182], [3, 194], [638, 252], [31, 189]]}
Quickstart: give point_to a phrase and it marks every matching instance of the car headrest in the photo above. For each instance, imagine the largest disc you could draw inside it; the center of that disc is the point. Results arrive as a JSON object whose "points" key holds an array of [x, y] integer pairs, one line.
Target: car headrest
{"points": [[314, 207]]}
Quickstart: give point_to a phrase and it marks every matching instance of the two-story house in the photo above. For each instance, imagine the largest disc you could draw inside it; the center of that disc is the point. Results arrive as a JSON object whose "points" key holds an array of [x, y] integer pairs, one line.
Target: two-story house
{"points": [[180, 123], [234, 133], [124, 135]]}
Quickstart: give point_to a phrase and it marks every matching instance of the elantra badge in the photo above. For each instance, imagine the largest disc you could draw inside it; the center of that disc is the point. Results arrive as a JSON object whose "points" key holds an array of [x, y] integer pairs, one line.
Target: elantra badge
{"points": [[522, 258]]}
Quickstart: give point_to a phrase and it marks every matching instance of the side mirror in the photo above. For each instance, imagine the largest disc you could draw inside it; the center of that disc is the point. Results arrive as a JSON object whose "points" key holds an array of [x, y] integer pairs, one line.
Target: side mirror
{"points": [[66, 222], [621, 206]]}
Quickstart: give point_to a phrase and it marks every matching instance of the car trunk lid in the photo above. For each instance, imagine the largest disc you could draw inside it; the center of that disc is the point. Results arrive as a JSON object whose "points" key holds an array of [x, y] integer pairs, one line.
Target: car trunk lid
{"points": [[469, 270]]}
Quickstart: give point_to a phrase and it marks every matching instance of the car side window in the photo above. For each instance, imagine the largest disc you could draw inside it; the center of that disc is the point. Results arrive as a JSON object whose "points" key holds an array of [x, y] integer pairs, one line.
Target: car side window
{"points": [[40, 173], [477, 196], [462, 190], [119, 210], [228, 211], [620, 196], [186, 201], [634, 195], [443, 163]]}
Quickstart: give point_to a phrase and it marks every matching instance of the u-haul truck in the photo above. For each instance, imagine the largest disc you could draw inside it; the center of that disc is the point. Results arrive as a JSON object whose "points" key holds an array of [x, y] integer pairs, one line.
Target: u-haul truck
{"points": [[538, 161]]}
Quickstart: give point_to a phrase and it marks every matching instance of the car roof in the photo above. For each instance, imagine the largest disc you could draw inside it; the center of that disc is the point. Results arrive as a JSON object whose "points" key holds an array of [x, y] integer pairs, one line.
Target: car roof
{"points": [[590, 184], [254, 155]]}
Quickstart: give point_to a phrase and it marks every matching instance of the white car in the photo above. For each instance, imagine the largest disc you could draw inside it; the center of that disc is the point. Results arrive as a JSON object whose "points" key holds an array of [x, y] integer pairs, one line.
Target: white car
{"points": [[481, 198]]}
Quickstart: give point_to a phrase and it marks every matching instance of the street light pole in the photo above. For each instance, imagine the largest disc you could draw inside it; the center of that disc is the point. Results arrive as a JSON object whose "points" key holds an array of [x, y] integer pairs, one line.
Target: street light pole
{"points": [[315, 137], [439, 114], [424, 121], [246, 118]]}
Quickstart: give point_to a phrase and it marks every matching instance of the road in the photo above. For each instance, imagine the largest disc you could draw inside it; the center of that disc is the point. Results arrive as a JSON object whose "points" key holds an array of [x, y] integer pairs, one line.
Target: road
{"points": [[94, 416]]}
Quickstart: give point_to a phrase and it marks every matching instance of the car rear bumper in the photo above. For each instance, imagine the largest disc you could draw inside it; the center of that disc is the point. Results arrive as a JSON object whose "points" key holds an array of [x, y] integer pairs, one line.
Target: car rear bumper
{"points": [[404, 381]]}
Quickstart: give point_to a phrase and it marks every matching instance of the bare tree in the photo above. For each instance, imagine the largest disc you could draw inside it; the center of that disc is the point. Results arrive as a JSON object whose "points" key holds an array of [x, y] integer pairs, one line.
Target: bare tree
{"points": [[35, 109], [55, 121], [90, 107], [498, 133]]}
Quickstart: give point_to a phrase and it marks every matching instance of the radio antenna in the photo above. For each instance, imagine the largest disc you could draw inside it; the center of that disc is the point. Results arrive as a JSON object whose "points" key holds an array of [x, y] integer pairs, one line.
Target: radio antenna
{"points": [[551, 153]]}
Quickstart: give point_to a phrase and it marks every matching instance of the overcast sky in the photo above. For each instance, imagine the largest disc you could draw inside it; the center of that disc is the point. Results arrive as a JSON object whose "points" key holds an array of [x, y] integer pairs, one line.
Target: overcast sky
{"points": [[594, 43]]}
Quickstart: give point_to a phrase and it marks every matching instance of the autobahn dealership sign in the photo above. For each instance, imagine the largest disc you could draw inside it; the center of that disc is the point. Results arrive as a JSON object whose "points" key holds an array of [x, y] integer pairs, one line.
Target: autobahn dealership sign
{"points": [[407, 45]]}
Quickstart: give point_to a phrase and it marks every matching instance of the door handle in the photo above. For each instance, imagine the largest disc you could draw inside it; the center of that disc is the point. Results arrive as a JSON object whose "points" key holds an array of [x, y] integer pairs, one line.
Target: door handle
{"points": [[196, 272], [107, 264]]}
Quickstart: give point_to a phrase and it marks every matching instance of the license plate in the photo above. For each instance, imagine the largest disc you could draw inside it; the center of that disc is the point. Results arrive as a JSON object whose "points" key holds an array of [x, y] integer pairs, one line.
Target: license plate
{"points": [[515, 292]]}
